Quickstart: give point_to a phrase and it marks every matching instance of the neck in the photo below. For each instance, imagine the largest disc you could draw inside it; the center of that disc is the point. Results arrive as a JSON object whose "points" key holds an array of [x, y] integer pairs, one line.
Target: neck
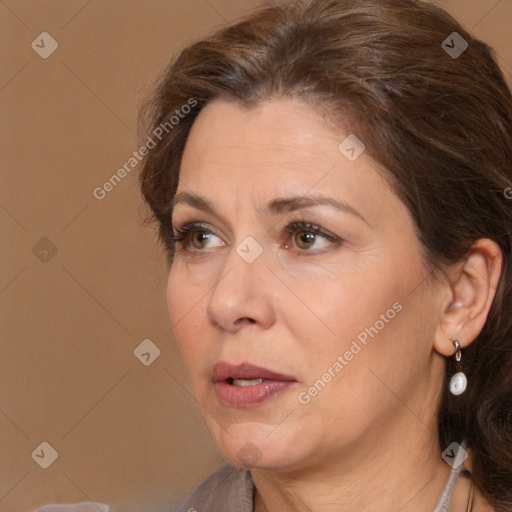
{"points": [[396, 470]]}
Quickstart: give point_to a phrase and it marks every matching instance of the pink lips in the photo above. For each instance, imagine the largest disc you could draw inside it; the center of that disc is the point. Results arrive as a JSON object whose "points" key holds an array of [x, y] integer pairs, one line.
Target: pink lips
{"points": [[233, 395]]}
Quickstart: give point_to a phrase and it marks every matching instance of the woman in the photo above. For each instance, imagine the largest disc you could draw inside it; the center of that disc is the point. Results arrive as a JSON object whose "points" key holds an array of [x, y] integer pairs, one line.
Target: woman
{"points": [[329, 179]]}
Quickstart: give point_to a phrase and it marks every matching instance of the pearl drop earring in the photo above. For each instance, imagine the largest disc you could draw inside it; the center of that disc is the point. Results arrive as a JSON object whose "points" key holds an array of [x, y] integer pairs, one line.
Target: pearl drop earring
{"points": [[459, 381]]}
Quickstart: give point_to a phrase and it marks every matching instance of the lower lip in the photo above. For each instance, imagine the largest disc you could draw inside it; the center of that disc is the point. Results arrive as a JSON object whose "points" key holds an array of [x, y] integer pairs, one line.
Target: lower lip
{"points": [[248, 396]]}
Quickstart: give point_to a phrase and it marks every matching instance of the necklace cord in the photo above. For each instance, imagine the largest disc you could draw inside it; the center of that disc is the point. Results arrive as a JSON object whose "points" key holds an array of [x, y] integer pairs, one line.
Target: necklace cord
{"points": [[471, 496]]}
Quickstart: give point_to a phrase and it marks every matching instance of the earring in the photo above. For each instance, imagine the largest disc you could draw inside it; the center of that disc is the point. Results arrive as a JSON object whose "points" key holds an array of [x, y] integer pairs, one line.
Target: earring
{"points": [[459, 381]]}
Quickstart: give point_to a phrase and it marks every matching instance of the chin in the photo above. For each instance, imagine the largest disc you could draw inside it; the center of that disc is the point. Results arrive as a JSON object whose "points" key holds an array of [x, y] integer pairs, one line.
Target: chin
{"points": [[257, 446]]}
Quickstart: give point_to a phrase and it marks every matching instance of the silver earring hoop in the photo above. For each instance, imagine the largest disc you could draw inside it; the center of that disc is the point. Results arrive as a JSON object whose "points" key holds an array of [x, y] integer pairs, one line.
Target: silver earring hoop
{"points": [[459, 381]]}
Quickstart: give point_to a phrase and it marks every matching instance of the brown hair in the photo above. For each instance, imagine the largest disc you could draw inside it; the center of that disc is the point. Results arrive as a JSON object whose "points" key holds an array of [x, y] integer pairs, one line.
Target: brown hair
{"points": [[439, 124]]}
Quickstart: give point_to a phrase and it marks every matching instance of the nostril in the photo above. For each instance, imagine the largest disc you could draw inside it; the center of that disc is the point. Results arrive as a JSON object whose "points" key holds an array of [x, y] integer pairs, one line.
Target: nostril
{"points": [[246, 320]]}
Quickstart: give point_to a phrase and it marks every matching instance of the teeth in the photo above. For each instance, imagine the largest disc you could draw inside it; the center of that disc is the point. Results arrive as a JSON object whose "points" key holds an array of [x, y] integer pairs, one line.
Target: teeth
{"points": [[246, 382]]}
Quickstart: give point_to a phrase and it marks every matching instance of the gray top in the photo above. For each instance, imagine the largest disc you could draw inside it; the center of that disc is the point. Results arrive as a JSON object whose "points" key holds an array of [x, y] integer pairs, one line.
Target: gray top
{"points": [[232, 490]]}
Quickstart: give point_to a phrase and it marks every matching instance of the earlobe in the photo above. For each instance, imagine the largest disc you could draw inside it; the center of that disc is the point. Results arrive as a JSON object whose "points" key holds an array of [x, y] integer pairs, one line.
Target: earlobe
{"points": [[472, 286]]}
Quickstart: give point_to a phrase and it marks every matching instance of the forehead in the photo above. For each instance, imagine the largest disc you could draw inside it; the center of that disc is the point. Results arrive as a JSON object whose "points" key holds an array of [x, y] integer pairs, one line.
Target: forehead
{"points": [[279, 147], [285, 129]]}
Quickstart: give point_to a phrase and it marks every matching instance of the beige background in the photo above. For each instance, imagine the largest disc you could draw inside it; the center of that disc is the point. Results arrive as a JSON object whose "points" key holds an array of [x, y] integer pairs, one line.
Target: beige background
{"points": [[126, 434]]}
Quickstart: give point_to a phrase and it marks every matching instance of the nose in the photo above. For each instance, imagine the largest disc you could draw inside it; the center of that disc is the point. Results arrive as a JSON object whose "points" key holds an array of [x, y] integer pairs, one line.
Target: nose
{"points": [[242, 295]]}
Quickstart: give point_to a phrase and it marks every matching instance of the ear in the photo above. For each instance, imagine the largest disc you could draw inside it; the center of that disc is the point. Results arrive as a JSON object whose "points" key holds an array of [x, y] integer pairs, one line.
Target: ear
{"points": [[470, 292]]}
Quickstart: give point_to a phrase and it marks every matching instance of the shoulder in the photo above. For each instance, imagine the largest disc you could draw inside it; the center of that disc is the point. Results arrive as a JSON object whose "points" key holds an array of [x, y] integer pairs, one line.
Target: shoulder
{"points": [[226, 490]]}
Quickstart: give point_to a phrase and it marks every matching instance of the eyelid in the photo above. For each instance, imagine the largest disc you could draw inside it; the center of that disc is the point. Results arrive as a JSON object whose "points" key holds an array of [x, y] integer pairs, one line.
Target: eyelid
{"points": [[191, 225], [298, 225], [181, 233]]}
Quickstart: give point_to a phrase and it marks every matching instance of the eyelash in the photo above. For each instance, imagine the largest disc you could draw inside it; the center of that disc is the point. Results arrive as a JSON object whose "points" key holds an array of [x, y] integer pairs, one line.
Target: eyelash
{"points": [[183, 233]]}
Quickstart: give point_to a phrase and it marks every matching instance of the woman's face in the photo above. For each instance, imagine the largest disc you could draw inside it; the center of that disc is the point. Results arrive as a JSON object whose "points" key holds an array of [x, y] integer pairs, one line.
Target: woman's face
{"points": [[301, 305]]}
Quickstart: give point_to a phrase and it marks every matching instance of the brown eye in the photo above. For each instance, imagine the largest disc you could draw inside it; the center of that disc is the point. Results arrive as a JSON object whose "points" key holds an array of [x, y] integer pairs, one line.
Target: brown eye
{"points": [[307, 237], [199, 241], [304, 239], [195, 237]]}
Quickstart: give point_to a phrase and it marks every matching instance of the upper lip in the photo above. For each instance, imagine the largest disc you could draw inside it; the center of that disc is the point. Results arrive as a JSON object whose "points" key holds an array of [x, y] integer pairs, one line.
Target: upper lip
{"points": [[223, 371]]}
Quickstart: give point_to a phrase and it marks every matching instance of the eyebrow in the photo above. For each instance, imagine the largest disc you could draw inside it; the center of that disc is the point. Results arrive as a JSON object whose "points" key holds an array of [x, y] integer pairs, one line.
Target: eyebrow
{"points": [[277, 206]]}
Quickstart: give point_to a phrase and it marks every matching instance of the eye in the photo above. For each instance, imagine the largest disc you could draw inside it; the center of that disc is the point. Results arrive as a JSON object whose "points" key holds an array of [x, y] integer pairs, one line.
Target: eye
{"points": [[195, 234], [308, 236]]}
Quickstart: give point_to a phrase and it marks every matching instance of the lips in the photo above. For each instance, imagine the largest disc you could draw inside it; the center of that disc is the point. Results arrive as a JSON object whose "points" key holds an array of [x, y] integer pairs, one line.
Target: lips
{"points": [[225, 371], [246, 385]]}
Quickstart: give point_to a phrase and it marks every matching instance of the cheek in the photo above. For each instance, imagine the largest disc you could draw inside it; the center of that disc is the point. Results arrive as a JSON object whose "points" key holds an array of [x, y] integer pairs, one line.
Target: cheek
{"points": [[371, 359], [349, 302], [368, 313], [184, 303]]}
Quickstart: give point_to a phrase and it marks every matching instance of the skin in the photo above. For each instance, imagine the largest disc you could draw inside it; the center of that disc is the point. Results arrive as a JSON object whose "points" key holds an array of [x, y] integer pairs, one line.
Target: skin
{"points": [[368, 440]]}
